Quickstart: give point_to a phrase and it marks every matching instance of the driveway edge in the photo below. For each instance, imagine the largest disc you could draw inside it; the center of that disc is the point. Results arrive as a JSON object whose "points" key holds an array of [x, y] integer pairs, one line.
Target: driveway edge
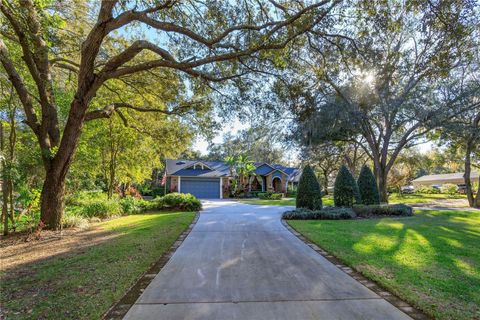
{"points": [[121, 307], [372, 285]]}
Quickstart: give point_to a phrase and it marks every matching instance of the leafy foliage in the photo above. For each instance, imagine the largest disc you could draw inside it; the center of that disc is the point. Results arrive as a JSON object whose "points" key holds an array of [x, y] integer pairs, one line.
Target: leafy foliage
{"points": [[270, 195], [367, 186], [345, 193], [383, 210], [309, 194], [449, 188], [427, 190], [179, 201], [327, 213]]}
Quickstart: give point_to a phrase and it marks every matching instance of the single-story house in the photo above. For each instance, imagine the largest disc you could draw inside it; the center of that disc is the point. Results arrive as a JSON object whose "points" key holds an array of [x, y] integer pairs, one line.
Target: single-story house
{"points": [[211, 179], [440, 179]]}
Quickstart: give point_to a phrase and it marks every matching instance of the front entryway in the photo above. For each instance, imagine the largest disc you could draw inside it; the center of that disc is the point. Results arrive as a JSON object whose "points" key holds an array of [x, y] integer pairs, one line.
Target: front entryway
{"points": [[277, 184]]}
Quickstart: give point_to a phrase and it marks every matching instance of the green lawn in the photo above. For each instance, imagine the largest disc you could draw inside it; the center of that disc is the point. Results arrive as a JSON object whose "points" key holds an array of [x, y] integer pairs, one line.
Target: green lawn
{"points": [[84, 284], [422, 198], [432, 260], [394, 198], [327, 201]]}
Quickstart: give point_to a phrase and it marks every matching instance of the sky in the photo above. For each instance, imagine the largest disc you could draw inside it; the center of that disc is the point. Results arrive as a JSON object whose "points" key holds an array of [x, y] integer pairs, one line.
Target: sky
{"points": [[233, 126]]}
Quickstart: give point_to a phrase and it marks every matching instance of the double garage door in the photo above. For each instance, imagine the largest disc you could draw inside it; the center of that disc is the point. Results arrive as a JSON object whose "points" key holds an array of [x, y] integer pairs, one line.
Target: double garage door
{"points": [[201, 187]]}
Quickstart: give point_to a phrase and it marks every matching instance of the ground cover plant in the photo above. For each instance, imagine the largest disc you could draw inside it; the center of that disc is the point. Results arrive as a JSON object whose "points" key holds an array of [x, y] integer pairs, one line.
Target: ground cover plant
{"points": [[431, 259], [84, 276]]}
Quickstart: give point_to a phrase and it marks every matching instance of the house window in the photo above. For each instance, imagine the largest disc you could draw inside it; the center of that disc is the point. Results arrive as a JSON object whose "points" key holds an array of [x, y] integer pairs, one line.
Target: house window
{"points": [[198, 166]]}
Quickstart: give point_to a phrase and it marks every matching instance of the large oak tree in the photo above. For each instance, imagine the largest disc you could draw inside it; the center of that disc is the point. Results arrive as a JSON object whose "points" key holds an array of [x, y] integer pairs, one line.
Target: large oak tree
{"points": [[381, 78], [201, 41]]}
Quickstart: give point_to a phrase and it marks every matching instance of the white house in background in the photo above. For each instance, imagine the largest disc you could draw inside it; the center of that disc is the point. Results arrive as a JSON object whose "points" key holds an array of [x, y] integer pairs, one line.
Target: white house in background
{"points": [[440, 179]]}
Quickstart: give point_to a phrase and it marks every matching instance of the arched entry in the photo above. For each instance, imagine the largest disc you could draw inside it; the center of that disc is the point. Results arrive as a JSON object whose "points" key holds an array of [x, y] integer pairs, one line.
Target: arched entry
{"points": [[277, 184]]}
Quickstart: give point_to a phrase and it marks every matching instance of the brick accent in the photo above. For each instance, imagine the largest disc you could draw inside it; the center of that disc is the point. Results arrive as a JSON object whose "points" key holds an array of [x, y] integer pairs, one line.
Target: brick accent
{"points": [[225, 187], [174, 184]]}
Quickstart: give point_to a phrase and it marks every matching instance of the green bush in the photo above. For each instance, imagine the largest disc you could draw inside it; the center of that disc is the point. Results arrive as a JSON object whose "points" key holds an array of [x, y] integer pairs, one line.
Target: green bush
{"points": [[327, 213], [101, 209], [131, 205], [427, 190], [180, 201], [449, 188], [158, 191], [309, 194], [270, 196], [83, 197], [291, 193], [383, 210], [367, 186], [345, 192], [276, 196]]}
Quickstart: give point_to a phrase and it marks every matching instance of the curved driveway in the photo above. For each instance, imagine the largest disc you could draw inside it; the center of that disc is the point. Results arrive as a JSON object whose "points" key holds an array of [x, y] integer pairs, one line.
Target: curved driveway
{"points": [[240, 262]]}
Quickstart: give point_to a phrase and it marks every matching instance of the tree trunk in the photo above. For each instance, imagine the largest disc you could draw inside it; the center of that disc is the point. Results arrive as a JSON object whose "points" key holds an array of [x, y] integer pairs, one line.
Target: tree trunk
{"points": [[4, 187], [476, 203], [381, 176], [466, 175], [325, 180], [52, 201]]}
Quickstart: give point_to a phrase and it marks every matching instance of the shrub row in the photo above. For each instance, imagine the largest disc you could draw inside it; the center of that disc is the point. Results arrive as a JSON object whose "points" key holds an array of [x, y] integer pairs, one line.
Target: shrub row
{"points": [[327, 213], [270, 195], [336, 213], [98, 206], [348, 192], [427, 190], [383, 210]]}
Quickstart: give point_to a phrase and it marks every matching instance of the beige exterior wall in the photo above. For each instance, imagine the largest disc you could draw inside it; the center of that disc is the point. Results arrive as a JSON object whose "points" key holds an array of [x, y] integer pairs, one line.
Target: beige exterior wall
{"points": [[439, 182]]}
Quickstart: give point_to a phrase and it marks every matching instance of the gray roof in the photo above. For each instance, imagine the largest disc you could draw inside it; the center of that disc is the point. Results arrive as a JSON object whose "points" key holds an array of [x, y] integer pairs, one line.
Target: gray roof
{"points": [[219, 169], [445, 176]]}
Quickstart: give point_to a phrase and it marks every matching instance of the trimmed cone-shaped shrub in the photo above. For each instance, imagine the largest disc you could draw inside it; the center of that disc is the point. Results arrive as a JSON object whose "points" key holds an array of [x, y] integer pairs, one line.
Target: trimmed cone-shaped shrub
{"points": [[345, 192], [309, 194], [367, 185]]}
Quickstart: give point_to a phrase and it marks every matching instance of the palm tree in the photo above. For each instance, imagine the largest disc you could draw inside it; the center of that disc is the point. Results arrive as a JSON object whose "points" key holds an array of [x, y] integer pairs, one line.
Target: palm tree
{"points": [[241, 167]]}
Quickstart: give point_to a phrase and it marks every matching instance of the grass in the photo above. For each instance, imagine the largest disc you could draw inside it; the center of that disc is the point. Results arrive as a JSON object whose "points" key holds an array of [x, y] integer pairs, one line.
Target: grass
{"points": [[84, 284], [416, 198], [327, 201], [432, 260], [394, 198]]}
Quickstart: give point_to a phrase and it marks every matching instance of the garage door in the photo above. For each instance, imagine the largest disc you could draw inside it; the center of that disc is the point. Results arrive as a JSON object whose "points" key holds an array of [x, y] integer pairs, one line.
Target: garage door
{"points": [[201, 188]]}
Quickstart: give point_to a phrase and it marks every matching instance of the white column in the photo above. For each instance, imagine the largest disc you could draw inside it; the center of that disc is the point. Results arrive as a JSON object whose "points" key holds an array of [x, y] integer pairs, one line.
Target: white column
{"points": [[179, 186], [221, 188]]}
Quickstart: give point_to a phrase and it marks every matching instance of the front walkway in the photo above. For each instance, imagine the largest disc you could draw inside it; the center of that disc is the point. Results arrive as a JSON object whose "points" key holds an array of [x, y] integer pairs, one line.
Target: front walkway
{"points": [[240, 262]]}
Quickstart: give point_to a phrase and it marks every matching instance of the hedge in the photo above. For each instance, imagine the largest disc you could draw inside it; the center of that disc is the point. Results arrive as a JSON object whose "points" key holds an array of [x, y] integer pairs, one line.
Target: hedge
{"points": [[327, 213], [383, 210]]}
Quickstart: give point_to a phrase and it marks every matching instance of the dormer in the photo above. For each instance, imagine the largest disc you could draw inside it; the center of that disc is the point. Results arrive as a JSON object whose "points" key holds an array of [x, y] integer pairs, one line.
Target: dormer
{"points": [[198, 166]]}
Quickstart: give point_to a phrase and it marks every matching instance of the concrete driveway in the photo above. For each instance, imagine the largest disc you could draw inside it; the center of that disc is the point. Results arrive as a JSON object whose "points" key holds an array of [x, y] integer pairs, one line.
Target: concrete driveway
{"points": [[240, 262]]}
